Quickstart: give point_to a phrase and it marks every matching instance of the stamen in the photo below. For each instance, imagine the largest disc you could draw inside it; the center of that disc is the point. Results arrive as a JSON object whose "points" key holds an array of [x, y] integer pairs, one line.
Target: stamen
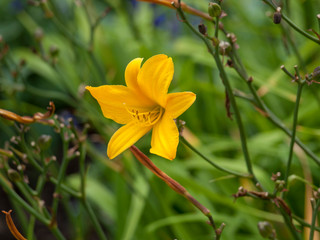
{"points": [[147, 118]]}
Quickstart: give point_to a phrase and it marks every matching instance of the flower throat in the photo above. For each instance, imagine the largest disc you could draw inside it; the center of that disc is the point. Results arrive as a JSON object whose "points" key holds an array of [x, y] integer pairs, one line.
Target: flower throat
{"points": [[147, 118]]}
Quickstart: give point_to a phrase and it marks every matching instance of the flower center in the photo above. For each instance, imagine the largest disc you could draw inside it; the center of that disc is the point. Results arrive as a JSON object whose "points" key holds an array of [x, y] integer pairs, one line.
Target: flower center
{"points": [[147, 118]]}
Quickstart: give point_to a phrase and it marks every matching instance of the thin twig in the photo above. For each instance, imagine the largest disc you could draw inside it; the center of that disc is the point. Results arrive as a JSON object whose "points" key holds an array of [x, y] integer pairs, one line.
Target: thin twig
{"points": [[294, 128]]}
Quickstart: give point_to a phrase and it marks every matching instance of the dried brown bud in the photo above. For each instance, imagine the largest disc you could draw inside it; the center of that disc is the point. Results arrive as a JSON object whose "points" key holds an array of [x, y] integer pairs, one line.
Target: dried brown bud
{"points": [[277, 16], [22, 62], [275, 176], [316, 74], [202, 29]]}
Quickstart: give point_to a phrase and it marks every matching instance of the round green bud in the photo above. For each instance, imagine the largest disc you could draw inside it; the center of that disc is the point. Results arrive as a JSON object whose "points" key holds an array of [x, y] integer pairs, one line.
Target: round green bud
{"points": [[54, 51], [266, 230], [13, 175], [44, 141], [214, 9]]}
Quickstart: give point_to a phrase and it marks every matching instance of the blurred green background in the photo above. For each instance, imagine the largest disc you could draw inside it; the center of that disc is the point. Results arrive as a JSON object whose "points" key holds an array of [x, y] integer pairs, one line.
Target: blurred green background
{"points": [[52, 55]]}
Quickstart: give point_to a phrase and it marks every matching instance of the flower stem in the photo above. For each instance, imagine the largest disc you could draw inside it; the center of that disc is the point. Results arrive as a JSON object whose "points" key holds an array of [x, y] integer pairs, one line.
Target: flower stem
{"points": [[294, 128], [314, 218], [84, 200], [62, 170], [211, 162], [303, 223], [56, 232], [94, 219], [290, 225], [215, 53], [25, 205], [177, 187], [260, 104]]}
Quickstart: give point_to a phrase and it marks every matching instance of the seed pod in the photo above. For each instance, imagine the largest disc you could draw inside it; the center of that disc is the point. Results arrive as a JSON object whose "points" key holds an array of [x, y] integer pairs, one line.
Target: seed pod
{"points": [[214, 9]]}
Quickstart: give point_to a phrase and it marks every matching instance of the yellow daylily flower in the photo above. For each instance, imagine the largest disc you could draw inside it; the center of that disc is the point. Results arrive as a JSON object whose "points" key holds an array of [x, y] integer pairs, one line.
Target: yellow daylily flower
{"points": [[144, 104]]}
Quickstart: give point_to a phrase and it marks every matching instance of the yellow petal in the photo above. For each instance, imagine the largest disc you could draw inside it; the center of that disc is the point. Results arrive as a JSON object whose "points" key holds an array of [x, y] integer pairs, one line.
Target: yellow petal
{"points": [[155, 77], [112, 100], [125, 137], [178, 103], [131, 73], [165, 138]]}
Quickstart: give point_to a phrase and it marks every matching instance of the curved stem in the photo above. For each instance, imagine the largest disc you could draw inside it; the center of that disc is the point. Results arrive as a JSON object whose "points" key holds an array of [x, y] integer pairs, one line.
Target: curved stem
{"points": [[290, 225], [177, 187], [211, 162], [94, 219]]}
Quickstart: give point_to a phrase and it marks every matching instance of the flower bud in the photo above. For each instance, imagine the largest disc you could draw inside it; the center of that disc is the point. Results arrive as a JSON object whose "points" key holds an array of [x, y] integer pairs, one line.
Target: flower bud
{"points": [[224, 48], [266, 230], [54, 51], [13, 175], [44, 141], [38, 34], [214, 9]]}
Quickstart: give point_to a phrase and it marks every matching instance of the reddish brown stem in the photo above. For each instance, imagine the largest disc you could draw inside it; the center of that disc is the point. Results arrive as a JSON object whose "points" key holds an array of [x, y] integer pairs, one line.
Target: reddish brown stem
{"points": [[184, 7], [177, 187], [12, 227]]}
